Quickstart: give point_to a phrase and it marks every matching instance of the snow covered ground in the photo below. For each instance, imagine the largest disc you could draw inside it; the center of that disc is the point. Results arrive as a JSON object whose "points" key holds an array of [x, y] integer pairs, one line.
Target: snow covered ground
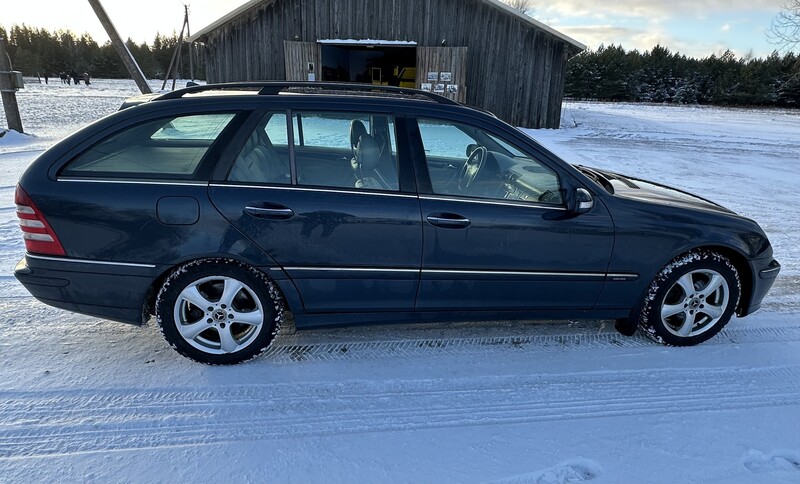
{"points": [[86, 400]]}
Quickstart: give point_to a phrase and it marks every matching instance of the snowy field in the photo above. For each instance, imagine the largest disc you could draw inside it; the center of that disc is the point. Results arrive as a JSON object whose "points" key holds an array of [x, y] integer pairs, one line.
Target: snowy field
{"points": [[86, 400]]}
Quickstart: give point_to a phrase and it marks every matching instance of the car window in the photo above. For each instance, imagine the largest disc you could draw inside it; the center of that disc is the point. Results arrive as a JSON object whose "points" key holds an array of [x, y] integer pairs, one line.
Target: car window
{"points": [[264, 158], [276, 129], [199, 127], [346, 150], [168, 147], [467, 161]]}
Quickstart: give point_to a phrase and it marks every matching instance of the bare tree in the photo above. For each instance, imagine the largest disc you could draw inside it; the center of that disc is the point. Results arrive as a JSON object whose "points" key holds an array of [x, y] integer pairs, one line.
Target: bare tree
{"points": [[785, 28], [526, 6]]}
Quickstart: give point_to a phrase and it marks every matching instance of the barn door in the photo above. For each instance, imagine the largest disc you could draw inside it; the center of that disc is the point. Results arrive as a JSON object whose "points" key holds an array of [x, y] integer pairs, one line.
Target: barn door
{"points": [[445, 69], [302, 59]]}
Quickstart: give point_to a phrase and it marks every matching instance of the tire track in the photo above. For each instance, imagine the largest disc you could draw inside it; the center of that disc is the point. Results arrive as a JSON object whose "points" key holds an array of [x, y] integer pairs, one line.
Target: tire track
{"points": [[64, 422], [287, 350]]}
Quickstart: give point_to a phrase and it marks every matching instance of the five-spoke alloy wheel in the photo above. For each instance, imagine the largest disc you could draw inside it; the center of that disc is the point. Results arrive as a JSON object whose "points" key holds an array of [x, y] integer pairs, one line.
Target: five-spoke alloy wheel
{"points": [[218, 312], [691, 299]]}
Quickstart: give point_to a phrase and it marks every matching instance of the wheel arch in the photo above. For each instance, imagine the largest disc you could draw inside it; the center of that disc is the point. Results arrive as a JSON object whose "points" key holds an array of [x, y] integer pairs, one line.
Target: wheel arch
{"points": [[737, 258], [285, 287], [739, 261]]}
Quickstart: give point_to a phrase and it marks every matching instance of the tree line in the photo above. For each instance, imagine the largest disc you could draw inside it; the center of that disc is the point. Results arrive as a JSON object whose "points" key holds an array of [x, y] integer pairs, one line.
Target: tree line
{"points": [[36, 51], [660, 76], [607, 74]]}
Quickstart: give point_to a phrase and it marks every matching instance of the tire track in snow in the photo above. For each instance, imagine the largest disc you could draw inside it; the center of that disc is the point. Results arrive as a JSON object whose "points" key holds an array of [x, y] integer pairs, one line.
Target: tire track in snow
{"points": [[286, 349], [64, 422]]}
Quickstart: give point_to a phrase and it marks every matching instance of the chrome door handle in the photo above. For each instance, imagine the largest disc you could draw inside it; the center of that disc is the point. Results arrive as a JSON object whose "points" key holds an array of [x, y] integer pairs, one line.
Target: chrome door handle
{"points": [[284, 212], [448, 221]]}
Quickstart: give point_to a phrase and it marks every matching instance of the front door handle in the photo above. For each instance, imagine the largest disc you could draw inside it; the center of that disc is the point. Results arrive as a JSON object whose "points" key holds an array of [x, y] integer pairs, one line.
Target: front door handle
{"points": [[277, 211], [448, 220]]}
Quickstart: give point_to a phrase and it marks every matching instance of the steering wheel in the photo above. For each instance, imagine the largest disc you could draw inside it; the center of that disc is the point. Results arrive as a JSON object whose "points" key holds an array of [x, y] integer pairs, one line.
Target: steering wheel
{"points": [[471, 169]]}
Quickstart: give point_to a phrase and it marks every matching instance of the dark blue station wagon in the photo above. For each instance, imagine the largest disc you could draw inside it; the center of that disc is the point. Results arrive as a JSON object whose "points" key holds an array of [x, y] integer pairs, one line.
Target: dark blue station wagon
{"points": [[220, 208]]}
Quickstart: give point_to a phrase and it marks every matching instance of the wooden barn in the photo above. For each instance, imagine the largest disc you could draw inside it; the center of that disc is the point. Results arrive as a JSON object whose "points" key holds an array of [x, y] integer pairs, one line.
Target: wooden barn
{"points": [[480, 52]]}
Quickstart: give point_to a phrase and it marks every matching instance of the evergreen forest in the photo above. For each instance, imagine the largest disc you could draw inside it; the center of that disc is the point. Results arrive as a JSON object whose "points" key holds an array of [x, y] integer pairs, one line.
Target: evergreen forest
{"points": [[36, 51], [605, 74]]}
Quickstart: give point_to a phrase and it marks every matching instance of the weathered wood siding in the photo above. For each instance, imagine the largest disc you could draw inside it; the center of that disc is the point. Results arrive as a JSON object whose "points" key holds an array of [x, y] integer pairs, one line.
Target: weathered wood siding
{"points": [[514, 69], [297, 55], [444, 59]]}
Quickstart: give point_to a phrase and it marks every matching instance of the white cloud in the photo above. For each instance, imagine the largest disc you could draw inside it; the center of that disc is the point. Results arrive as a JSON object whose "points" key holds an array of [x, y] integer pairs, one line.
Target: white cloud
{"points": [[643, 40], [655, 9], [725, 28]]}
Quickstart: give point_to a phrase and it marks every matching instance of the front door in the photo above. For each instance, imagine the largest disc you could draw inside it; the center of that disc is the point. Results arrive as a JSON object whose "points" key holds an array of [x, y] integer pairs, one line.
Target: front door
{"points": [[497, 234], [324, 200]]}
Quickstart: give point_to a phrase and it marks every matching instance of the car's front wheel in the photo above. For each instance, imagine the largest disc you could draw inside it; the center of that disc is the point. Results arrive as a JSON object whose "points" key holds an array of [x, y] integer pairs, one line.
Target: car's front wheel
{"points": [[218, 311], [691, 299]]}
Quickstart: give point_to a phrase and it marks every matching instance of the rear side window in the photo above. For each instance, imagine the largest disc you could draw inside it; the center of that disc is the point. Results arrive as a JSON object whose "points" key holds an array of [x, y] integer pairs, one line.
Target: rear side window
{"points": [[169, 147], [346, 150]]}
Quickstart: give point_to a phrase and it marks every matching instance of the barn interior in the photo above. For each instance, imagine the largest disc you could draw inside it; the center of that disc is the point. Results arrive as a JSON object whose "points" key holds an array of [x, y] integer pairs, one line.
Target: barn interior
{"points": [[386, 65]]}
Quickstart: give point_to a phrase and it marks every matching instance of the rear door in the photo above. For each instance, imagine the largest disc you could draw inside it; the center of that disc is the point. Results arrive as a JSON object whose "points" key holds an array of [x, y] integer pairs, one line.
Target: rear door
{"points": [[293, 189]]}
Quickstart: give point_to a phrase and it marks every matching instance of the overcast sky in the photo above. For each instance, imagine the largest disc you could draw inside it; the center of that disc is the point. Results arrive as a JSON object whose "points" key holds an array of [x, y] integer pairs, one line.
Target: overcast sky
{"points": [[693, 27]]}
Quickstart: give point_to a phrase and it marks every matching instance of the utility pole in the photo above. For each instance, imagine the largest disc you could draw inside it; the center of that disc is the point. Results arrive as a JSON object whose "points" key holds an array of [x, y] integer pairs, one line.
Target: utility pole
{"points": [[189, 36], [9, 92], [176, 55], [121, 48]]}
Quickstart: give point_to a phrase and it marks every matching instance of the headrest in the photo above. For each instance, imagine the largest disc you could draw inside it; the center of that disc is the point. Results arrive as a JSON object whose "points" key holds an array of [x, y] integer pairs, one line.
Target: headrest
{"points": [[357, 130], [368, 153]]}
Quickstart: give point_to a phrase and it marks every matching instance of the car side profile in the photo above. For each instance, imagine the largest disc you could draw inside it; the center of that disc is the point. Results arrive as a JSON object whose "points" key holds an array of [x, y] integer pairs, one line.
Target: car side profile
{"points": [[223, 209]]}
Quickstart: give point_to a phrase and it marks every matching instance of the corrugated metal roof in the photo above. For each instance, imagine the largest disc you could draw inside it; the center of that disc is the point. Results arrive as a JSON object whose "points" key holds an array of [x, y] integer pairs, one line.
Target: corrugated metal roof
{"points": [[496, 3]]}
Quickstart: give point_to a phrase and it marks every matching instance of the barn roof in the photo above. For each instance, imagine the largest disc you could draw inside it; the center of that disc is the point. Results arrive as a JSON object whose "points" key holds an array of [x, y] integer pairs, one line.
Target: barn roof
{"points": [[246, 7]]}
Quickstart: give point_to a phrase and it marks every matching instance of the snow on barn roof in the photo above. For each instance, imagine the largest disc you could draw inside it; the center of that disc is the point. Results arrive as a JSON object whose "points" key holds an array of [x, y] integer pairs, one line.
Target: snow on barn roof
{"points": [[496, 3]]}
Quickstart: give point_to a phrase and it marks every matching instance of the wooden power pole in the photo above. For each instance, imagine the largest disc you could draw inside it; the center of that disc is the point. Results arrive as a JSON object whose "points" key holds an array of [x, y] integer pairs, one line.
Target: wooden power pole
{"points": [[121, 48], [9, 92], [176, 55]]}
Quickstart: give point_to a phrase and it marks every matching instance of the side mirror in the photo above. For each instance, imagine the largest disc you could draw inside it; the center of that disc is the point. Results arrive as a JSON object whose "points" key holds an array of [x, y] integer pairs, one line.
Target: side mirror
{"points": [[581, 202]]}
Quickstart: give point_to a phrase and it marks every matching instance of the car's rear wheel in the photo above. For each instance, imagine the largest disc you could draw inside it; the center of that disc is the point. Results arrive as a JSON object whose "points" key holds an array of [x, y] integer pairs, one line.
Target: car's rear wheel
{"points": [[218, 311], [691, 299]]}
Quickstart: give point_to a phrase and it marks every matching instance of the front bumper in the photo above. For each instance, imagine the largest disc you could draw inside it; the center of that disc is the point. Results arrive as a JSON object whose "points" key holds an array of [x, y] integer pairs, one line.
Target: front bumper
{"points": [[113, 292]]}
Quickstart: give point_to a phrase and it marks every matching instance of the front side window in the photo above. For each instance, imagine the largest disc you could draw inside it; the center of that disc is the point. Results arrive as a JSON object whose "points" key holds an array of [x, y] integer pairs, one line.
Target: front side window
{"points": [[346, 150], [167, 147], [467, 161]]}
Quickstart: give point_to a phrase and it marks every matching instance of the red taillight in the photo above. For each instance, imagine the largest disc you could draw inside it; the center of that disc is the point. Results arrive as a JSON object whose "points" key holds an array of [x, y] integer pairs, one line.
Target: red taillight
{"points": [[39, 236]]}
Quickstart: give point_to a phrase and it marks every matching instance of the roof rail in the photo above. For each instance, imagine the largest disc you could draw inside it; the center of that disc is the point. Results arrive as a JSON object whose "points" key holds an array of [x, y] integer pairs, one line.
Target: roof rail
{"points": [[272, 88]]}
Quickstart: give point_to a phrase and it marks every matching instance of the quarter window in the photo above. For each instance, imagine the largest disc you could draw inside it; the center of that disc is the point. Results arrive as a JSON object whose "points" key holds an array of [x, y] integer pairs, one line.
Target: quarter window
{"points": [[167, 147], [467, 161]]}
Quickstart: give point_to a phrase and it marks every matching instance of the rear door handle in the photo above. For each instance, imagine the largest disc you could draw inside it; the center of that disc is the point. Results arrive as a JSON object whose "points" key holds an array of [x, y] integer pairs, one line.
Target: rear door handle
{"points": [[278, 211], [448, 220]]}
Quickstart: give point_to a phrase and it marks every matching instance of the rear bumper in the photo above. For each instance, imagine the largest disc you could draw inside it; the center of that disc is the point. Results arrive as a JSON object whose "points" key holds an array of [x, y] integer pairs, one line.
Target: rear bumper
{"points": [[110, 291], [764, 273]]}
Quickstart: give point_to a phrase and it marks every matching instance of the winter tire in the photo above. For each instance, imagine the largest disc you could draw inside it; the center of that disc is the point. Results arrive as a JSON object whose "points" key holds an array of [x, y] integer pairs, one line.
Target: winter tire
{"points": [[218, 311], [691, 299]]}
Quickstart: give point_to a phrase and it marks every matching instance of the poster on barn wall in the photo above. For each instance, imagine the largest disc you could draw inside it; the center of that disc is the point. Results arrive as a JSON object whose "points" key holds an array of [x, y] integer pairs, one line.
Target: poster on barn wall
{"points": [[433, 76], [426, 86], [446, 76]]}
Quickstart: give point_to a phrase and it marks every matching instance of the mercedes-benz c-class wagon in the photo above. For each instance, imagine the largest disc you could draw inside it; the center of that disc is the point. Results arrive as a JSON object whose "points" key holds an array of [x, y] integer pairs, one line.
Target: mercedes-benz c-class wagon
{"points": [[224, 209]]}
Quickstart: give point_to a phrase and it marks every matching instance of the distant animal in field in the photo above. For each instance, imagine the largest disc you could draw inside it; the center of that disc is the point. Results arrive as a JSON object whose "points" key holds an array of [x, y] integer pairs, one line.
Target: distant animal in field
{"points": [[64, 77]]}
